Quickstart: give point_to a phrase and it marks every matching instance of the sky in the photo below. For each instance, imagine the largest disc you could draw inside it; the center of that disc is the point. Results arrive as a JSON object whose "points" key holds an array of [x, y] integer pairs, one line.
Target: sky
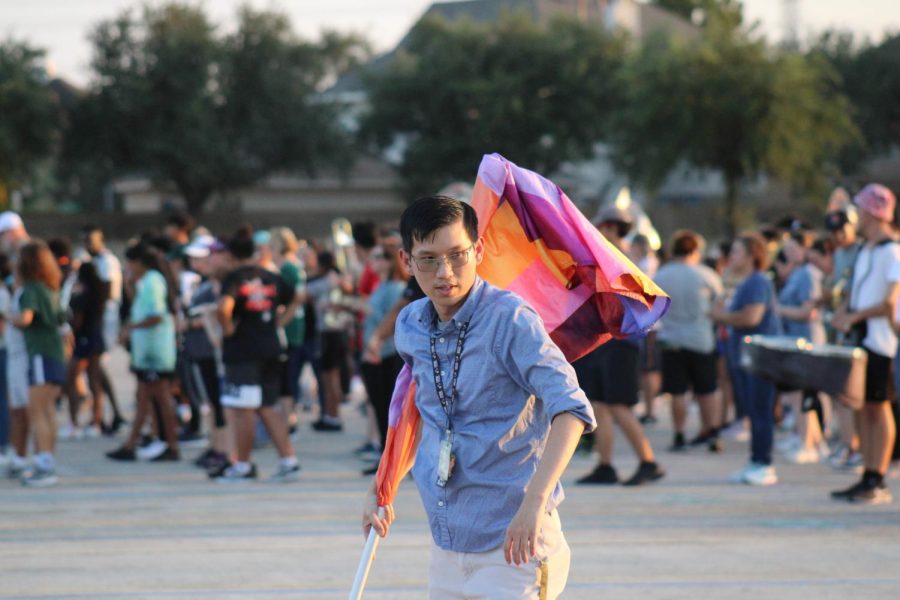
{"points": [[61, 26]]}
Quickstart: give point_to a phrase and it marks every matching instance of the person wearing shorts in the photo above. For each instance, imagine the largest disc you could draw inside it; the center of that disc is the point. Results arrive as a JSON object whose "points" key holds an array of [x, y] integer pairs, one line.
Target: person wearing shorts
{"points": [[151, 330], [687, 338], [87, 306], [873, 292], [609, 376], [254, 303], [40, 319]]}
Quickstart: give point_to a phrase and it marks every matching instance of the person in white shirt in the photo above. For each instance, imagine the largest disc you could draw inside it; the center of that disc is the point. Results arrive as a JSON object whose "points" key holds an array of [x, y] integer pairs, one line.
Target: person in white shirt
{"points": [[868, 316]]}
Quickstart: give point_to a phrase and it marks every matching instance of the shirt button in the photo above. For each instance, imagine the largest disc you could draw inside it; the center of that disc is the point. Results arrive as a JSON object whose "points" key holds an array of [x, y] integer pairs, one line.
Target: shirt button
{"points": [[441, 340], [443, 373], [440, 503]]}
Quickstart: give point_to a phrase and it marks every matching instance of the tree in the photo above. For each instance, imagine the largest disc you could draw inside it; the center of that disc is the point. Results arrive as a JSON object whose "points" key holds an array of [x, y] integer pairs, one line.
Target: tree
{"points": [[729, 103], [539, 95], [869, 75], [29, 115], [208, 113]]}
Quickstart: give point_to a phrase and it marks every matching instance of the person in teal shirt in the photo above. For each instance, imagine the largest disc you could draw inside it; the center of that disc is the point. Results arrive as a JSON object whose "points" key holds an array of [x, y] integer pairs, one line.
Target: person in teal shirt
{"points": [[151, 331]]}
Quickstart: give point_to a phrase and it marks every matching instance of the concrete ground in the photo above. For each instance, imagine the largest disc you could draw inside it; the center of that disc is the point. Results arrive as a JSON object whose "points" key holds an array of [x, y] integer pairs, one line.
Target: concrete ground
{"points": [[131, 531]]}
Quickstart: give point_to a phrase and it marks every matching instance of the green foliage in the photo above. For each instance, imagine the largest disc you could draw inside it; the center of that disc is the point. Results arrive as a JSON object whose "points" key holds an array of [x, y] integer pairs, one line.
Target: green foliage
{"points": [[538, 95], [28, 114], [206, 112], [727, 102], [869, 75]]}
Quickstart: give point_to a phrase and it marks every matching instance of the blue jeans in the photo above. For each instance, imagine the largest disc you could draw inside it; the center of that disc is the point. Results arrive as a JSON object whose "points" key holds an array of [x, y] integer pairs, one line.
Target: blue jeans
{"points": [[4, 403], [759, 401]]}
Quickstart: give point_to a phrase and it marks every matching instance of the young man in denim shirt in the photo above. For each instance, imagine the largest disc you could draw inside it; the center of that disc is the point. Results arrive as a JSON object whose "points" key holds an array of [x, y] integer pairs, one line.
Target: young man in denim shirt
{"points": [[501, 414]]}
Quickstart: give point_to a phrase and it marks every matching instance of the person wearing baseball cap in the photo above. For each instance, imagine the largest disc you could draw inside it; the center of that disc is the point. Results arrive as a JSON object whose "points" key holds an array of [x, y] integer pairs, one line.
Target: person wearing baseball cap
{"points": [[866, 320], [12, 232]]}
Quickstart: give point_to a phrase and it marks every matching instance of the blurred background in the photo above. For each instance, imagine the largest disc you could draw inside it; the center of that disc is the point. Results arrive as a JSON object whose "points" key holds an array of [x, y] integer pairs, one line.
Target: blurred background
{"points": [[716, 114]]}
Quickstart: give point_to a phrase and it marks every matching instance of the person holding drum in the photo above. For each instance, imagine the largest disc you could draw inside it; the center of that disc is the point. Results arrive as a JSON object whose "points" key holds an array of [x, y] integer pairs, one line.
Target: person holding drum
{"points": [[751, 312], [866, 320]]}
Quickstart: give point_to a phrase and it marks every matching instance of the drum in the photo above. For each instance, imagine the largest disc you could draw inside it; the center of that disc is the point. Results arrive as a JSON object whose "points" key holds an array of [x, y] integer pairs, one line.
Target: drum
{"points": [[838, 371]]}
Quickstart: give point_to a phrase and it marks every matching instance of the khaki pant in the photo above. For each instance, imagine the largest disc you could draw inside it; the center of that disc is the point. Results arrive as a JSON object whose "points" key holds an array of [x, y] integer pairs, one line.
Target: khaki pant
{"points": [[486, 576]]}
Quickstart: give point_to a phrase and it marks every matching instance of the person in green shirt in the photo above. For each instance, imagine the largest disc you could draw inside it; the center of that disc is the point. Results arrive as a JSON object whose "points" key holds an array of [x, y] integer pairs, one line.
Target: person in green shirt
{"points": [[40, 319]]}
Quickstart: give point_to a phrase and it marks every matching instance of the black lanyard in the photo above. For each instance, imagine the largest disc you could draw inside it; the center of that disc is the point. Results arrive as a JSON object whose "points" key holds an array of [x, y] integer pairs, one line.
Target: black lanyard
{"points": [[447, 402]]}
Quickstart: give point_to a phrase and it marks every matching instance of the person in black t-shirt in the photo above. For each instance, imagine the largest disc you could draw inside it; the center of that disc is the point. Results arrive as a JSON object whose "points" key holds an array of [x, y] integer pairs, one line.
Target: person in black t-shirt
{"points": [[254, 303], [87, 307]]}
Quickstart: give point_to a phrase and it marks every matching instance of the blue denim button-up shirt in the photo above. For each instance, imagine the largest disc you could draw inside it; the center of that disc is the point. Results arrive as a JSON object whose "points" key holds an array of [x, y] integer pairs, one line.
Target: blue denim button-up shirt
{"points": [[512, 381]]}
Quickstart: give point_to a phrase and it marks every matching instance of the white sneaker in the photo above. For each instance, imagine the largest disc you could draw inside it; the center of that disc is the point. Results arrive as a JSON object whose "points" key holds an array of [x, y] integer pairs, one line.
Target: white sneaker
{"points": [[761, 475], [151, 450], [40, 478], [69, 432], [803, 456], [91, 432], [738, 476]]}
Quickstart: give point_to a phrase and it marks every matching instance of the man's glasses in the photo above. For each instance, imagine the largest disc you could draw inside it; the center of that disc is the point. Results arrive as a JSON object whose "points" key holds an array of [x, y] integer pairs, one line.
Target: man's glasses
{"points": [[431, 264]]}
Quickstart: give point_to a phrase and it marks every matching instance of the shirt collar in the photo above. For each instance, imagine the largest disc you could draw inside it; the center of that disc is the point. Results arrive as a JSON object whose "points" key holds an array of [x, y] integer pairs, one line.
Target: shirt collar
{"points": [[465, 312]]}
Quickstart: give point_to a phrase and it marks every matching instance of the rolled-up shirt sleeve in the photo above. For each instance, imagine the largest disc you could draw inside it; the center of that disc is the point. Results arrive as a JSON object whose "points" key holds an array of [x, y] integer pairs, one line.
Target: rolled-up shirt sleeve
{"points": [[536, 363]]}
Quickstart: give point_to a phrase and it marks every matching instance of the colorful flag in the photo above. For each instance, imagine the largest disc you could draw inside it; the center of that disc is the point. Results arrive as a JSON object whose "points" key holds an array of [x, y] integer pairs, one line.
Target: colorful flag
{"points": [[540, 246]]}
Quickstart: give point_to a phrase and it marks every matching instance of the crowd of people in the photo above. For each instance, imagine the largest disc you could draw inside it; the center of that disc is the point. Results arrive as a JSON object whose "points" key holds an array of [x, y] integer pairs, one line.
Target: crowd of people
{"points": [[225, 326], [834, 284]]}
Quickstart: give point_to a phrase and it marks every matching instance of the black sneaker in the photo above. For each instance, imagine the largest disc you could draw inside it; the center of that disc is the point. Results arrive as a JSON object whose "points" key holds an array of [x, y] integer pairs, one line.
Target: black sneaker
{"points": [[871, 494], [715, 445], [603, 475], [326, 426], [678, 444], [701, 439], [202, 460], [647, 420], [218, 470], [370, 470], [646, 472], [168, 455], [231, 475], [847, 493], [122, 454]]}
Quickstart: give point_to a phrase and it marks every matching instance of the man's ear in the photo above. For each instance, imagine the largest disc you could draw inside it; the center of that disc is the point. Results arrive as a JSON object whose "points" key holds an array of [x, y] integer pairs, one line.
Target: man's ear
{"points": [[407, 259], [479, 251]]}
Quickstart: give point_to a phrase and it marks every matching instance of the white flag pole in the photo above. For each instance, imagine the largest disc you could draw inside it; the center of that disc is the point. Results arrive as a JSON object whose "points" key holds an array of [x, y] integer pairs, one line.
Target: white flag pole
{"points": [[365, 562]]}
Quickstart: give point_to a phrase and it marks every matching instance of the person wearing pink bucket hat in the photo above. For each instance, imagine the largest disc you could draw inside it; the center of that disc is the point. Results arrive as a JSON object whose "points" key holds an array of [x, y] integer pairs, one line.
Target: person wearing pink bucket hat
{"points": [[866, 320]]}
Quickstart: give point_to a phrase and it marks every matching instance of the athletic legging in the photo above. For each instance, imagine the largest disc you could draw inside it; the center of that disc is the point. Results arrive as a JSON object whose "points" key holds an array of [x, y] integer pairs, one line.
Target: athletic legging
{"points": [[205, 379]]}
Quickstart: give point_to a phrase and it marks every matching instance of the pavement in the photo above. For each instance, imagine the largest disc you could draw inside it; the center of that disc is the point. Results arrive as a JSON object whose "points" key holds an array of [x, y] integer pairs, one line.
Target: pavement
{"points": [[163, 531]]}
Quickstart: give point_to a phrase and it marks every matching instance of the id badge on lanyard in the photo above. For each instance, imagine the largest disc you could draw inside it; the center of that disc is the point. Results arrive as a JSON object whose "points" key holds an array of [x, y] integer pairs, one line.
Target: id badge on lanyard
{"points": [[446, 460]]}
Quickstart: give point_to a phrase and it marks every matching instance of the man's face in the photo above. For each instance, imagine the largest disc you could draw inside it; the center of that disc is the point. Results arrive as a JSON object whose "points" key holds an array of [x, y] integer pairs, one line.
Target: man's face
{"points": [[93, 242], [448, 286]]}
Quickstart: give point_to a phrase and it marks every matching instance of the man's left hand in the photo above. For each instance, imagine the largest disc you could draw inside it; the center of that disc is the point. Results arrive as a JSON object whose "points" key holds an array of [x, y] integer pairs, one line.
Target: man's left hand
{"points": [[520, 544]]}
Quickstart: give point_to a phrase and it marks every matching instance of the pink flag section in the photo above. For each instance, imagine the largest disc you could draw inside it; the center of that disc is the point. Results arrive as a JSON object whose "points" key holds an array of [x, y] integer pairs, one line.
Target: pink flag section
{"points": [[540, 246]]}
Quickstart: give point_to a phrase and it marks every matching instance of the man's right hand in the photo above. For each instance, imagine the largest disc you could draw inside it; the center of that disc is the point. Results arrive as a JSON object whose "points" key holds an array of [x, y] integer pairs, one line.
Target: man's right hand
{"points": [[373, 517]]}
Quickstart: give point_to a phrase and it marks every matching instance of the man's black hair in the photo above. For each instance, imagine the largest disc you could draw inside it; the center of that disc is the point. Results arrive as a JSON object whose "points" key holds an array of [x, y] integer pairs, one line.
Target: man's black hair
{"points": [[181, 220], [425, 216], [364, 234], [60, 247], [90, 228], [241, 243]]}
